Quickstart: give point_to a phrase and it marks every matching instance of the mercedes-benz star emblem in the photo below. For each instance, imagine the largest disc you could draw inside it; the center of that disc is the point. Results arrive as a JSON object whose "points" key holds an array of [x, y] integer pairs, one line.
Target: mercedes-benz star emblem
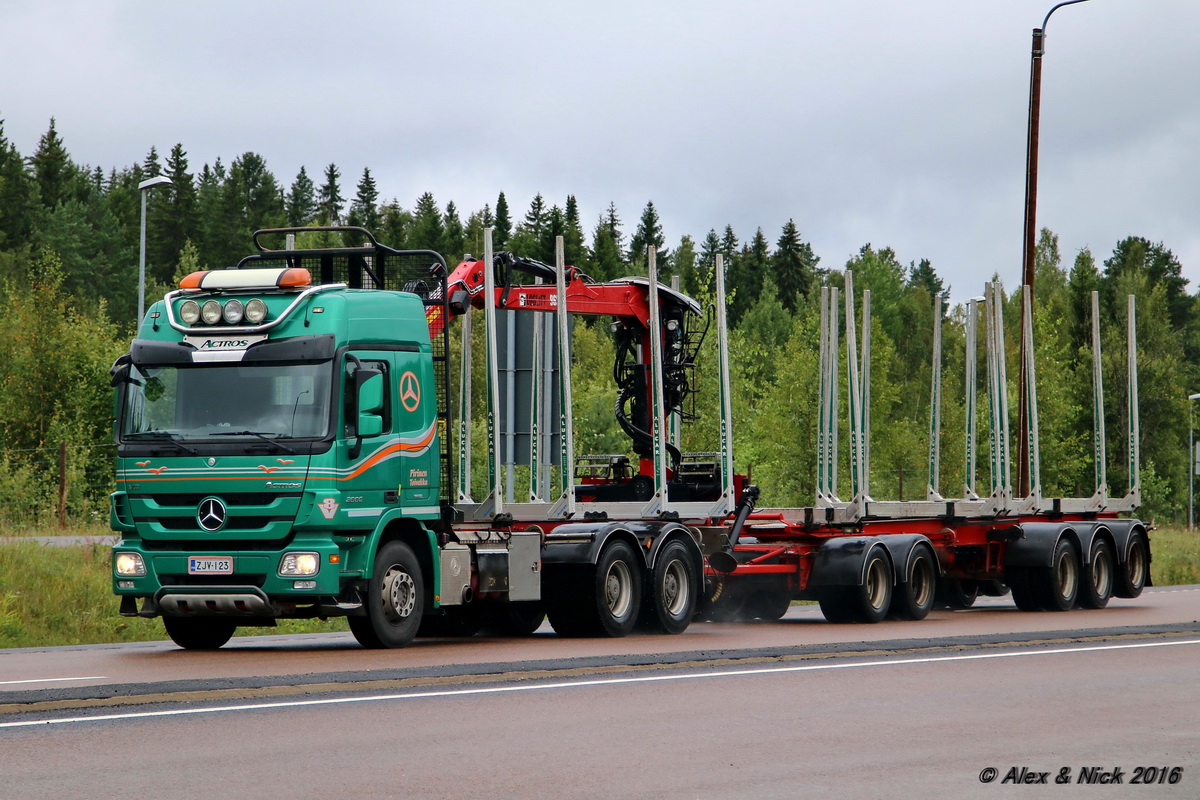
{"points": [[410, 391], [210, 514]]}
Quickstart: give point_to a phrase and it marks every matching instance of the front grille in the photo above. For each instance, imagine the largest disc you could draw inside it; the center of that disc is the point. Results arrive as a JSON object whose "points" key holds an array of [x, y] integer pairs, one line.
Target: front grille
{"points": [[216, 545], [193, 500], [234, 524]]}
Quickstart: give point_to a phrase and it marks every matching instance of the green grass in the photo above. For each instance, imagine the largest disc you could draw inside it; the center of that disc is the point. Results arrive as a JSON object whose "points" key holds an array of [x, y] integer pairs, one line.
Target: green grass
{"points": [[63, 595]]}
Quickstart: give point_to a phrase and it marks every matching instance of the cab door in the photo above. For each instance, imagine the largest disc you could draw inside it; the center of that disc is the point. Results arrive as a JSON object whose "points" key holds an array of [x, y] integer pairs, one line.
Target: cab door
{"points": [[368, 471]]}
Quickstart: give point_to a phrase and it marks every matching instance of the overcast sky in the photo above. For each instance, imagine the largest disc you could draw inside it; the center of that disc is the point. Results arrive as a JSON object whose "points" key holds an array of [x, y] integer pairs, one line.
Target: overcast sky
{"points": [[901, 124]]}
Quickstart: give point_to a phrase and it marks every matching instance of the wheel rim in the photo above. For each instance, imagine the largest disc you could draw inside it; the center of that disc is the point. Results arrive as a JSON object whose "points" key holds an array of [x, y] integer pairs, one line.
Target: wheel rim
{"points": [[1066, 574], [676, 586], [922, 583], [877, 584], [1102, 573], [618, 589], [399, 594], [1137, 565]]}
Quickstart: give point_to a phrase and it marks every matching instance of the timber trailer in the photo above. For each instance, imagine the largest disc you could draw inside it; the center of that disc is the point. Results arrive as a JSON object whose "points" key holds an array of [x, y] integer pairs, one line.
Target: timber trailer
{"points": [[288, 448]]}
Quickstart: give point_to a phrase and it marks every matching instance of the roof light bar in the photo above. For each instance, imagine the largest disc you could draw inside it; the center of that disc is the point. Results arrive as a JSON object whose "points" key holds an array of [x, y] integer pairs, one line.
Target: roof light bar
{"points": [[283, 278]]}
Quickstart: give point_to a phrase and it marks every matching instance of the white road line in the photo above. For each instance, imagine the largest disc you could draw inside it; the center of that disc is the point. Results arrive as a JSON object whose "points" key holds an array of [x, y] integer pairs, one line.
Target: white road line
{"points": [[582, 684], [52, 680]]}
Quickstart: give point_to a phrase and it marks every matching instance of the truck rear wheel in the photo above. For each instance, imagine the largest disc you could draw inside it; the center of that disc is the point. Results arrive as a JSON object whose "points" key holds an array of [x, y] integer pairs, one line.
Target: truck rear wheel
{"points": [[674, 586], [395, 599], [199, 633], [598, 601], [1097, 584], [1135, 572], [913, 599], [868, 602]]}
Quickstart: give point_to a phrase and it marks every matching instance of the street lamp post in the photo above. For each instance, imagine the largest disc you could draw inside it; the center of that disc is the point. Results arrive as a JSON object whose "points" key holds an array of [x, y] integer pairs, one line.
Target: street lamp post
{"points": [[1191, 460], [1027, 269], [144, 187]]}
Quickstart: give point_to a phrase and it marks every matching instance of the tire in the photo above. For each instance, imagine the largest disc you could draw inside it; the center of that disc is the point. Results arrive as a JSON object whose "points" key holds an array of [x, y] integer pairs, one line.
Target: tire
{"points": [[673, 586], [993, 588], [564, 590], [957, 594], [395, 599], [913, 599], [866, 603], [461, 622], [1023, 595], [1098, 577], [199, 633], [1134, 573], [727, 604], [603, 600], [768, 600], [514, 619], [1057, 586]]}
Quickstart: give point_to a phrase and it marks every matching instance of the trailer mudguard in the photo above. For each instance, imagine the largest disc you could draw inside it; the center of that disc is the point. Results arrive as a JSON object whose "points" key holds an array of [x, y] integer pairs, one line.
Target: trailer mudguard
{"points": [[842, 561], [1036, 546], [1088, 532], [902, 547], [1122, 531]]}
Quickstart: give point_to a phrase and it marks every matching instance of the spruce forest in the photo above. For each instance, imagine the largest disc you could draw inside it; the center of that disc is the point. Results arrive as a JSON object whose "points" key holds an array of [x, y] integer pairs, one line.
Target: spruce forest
{"points": [[68, 302]]}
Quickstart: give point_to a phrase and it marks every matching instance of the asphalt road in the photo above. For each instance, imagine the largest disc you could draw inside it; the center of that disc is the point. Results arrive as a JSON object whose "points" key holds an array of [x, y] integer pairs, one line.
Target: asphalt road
{"points": [[796, 709]]}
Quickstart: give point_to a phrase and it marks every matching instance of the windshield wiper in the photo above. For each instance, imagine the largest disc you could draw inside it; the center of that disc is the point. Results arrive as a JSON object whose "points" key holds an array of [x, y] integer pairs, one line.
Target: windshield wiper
{"points": [[164, 436], [265, 436]]}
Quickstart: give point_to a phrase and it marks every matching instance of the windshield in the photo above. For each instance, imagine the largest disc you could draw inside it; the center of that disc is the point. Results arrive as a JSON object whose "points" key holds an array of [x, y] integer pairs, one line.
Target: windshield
{"points": [[288, 400]]}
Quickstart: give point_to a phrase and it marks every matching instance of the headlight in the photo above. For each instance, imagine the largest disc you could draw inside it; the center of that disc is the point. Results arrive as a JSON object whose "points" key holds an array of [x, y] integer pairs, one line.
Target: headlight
{"points": [[129, 564], [256, 311], [233, 311], [299, 564], [211, 312], [189, 312]]}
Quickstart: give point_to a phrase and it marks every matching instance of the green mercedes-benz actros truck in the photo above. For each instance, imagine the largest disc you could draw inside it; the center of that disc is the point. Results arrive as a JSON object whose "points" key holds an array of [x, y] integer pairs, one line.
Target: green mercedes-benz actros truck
{"points": [[284, 450]]}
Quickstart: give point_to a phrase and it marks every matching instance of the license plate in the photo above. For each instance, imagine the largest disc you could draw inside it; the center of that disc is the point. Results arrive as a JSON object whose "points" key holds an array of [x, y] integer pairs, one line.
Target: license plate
{"points": [[210, 565]]}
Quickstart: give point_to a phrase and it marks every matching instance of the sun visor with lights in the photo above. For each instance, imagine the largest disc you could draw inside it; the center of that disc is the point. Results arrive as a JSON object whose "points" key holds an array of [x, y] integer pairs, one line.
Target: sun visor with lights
{"points": [[148, 352], [229, 279]]}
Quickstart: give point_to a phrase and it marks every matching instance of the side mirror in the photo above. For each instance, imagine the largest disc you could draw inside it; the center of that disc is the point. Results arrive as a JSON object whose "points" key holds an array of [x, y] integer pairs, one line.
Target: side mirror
{"points": [[119, 372]]}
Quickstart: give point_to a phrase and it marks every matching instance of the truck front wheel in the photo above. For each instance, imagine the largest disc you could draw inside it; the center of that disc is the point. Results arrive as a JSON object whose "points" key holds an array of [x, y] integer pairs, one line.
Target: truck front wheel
{"points": [[199, 633], [395, 599]]}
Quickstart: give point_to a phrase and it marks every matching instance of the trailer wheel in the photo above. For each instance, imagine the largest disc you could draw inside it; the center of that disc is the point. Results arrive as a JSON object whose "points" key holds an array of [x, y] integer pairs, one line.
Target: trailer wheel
{"points": [[868, 602], [395, 599], [514, 619], [769, 600], [1097, 584], [957, 594], [199, 633], [1132, 578], [674, 587], [914, 598], [1021, 585], [1057, 586], [597, 601]]}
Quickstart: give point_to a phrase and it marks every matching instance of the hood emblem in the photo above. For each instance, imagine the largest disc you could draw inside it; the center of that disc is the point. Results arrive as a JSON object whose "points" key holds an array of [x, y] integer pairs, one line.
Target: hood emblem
{"points": [[211, 514], [212, 462]]}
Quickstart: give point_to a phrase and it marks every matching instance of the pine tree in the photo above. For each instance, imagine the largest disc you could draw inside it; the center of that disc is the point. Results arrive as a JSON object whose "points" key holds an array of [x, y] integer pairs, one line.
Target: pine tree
{"points": [[16, 196], [683, 264], [150, 166], [606, 251], [613, 223], [649, 232], [427, 228], [329, 197], [555, 226], [453, 245], [364, 211], [574, 247], [171, 213], [502, 226], [708, 259], [301, 201], [794, 264], [53, 172], [527, 239]]}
